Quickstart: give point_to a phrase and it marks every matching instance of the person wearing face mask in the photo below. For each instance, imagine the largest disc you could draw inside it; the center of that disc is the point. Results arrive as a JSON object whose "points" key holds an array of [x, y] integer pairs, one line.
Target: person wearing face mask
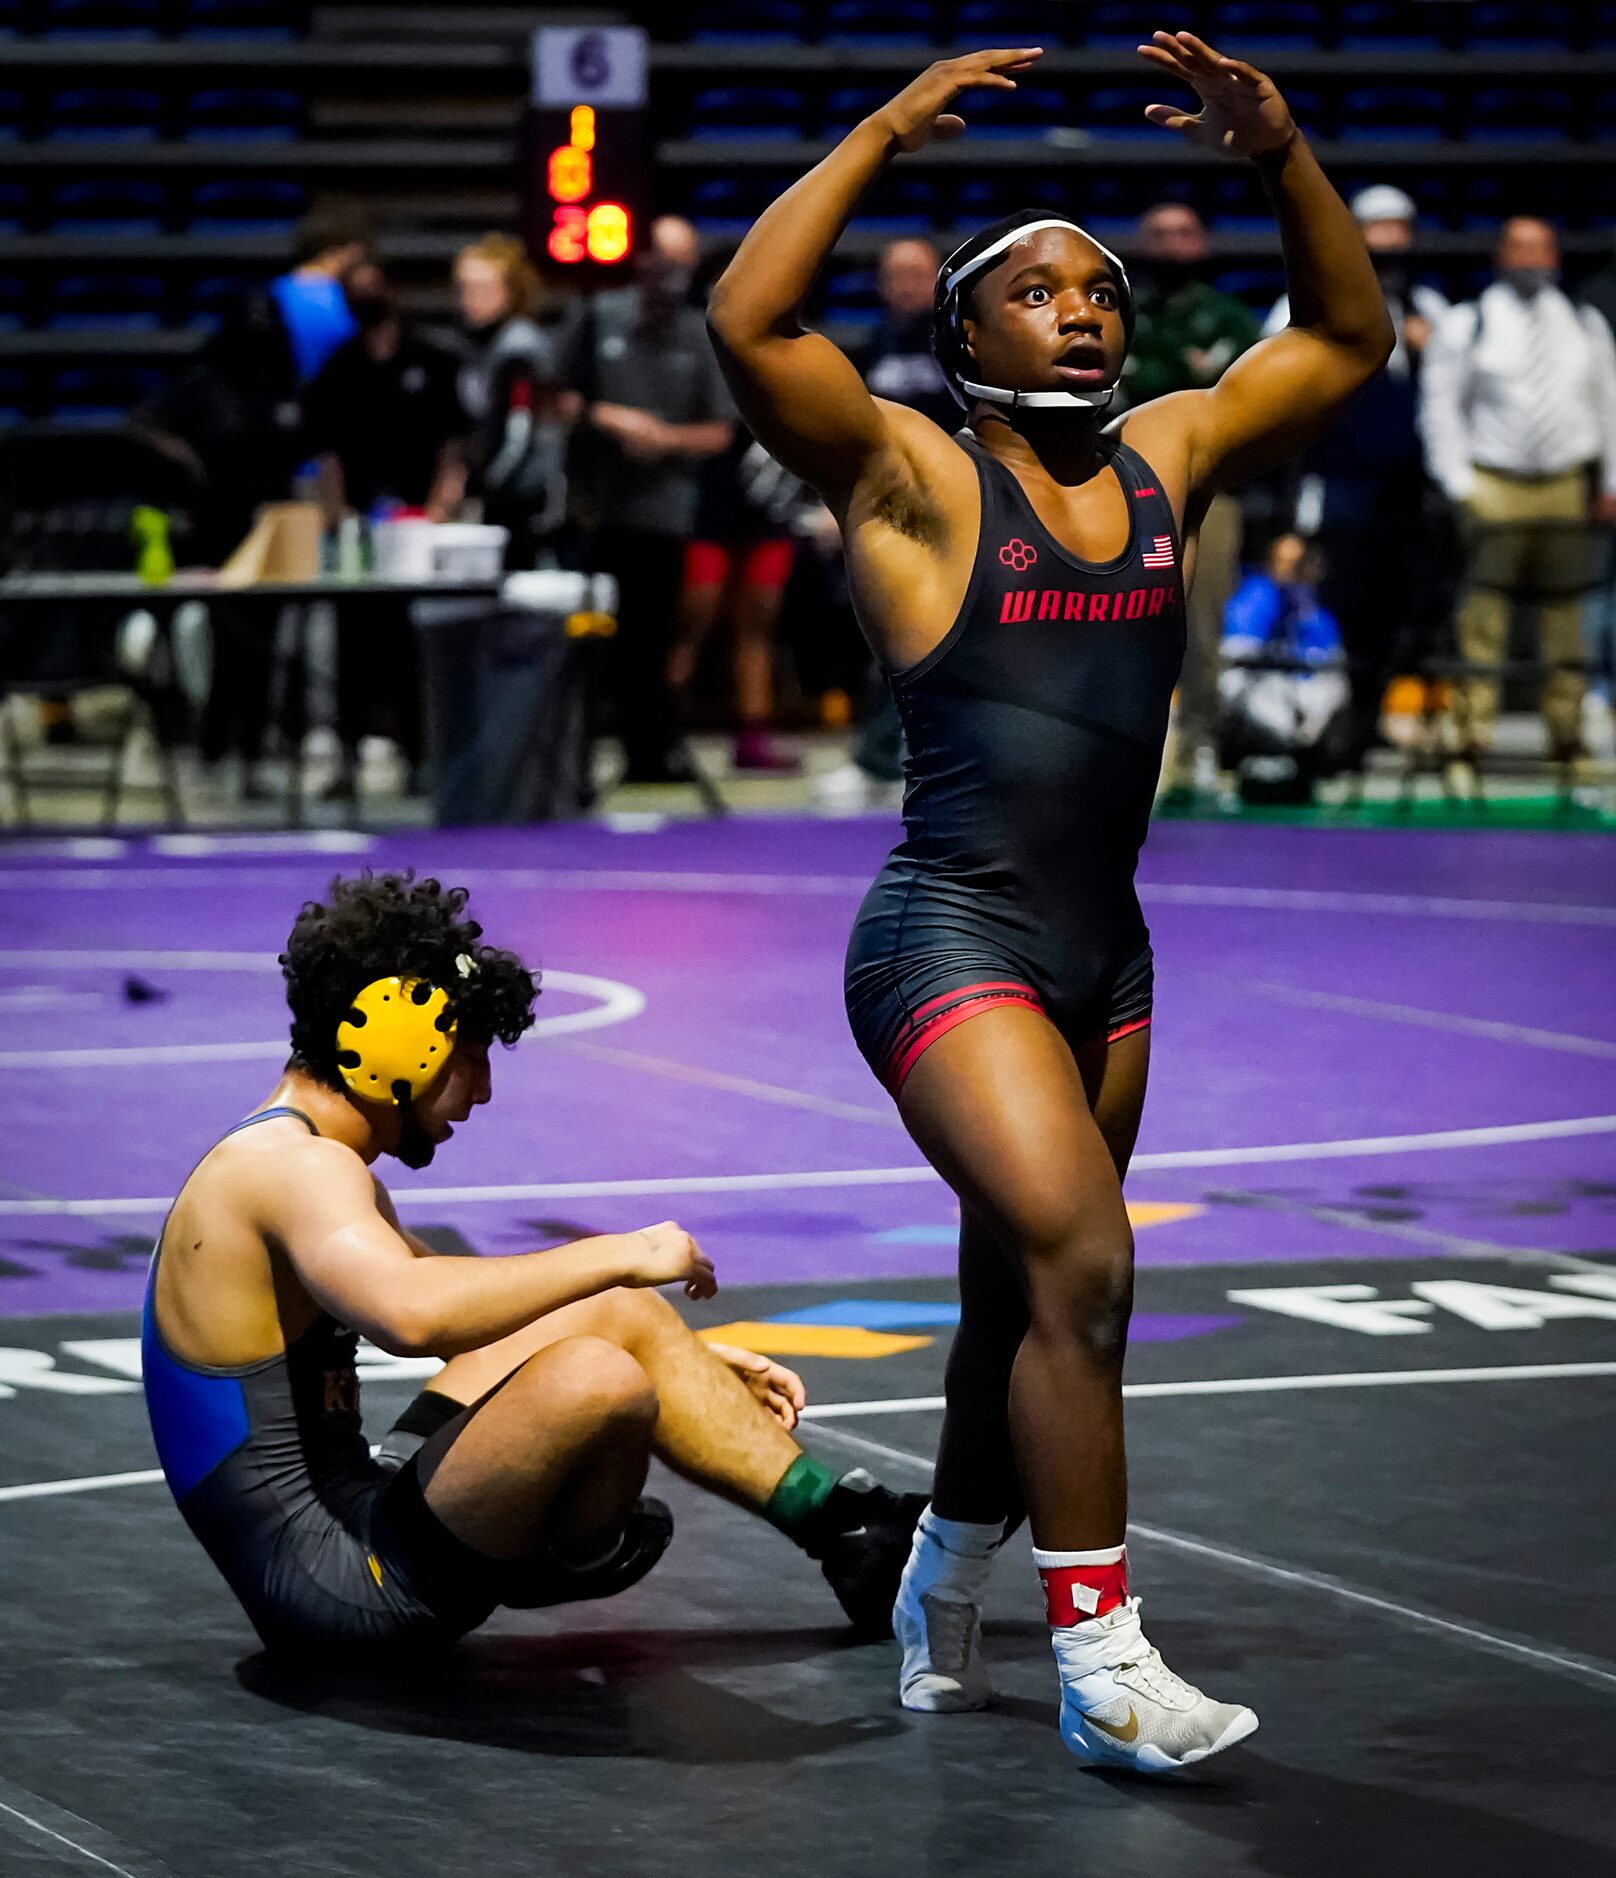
{"points": [[510, 386], [654, 407], [1188, 334], [384, 415], [1518, 417], [1361, 495]]}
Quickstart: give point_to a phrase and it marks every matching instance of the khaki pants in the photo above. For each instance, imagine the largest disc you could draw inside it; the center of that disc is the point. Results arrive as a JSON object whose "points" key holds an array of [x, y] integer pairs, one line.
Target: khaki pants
{"points": [[1217, 570], [1516, 563]]}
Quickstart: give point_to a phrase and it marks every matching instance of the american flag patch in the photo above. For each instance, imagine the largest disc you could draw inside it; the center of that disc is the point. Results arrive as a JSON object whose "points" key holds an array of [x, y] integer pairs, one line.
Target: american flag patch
{"points": [[1159, 553]]}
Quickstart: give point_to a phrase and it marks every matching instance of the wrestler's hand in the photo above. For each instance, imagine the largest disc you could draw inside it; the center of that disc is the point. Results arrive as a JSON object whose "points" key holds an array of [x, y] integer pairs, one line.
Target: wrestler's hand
{"points": [[919, 115], [1241, 114], [779, 1389], [667, 1255]]}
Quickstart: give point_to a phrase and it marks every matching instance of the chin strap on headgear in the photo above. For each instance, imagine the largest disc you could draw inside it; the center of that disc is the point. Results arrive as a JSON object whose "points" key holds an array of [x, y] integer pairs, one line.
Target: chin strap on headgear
{"points": [[967, 261], [395, 1040]]}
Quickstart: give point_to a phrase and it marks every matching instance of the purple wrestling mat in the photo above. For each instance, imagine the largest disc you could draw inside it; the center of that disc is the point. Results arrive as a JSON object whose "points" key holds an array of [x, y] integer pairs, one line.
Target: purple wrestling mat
{"points": [[1368, 1045]]}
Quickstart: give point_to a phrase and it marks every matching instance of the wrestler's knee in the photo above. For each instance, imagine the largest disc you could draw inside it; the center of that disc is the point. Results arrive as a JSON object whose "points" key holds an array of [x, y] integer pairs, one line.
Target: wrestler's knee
{"points": [[592, 1377], [629, 1317], [1081, 1284]]}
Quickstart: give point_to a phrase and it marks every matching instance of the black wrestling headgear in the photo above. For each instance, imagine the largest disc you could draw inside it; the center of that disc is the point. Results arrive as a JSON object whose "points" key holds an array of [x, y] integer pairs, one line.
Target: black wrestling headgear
{"points": [[966, 264]]}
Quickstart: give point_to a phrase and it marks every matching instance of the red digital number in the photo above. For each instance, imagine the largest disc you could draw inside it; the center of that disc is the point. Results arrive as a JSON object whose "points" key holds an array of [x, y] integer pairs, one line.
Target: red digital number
{"points": [[569, 235]]}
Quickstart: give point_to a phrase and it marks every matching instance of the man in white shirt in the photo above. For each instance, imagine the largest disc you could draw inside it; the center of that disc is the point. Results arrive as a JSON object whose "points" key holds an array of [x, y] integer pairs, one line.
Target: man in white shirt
{"points": [[1518, 414]]}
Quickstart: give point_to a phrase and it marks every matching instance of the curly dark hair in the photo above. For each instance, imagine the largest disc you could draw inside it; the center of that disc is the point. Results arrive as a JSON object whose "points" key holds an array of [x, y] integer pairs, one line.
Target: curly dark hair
{"points": [[375, 925]]}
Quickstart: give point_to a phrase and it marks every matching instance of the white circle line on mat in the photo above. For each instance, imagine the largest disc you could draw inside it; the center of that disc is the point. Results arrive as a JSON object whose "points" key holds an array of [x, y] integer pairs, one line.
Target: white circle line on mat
{"points": [[832, 1178]]}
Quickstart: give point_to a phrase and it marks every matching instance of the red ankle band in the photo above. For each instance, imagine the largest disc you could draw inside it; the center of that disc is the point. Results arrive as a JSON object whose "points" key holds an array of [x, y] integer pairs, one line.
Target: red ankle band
{"points": [[1075, 1593]]}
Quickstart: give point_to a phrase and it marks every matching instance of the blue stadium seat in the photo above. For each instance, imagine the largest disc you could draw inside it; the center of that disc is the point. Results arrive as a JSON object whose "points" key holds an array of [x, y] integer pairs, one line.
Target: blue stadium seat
{"points": [[13, 208], [237, 19], [747, 111], [100, 394], [10, 115], [1534, 27], [887, 22], [244, 113], [1476, 203], [1119, 110], [1129, 23], [11, 18], [986, 198], [848, 105], [852, 293], [1030, 111], [214, 300], [1015, 23], [1391, 26], [245, 207], [1315, 112], [1597, 195], [904, 203], [1600, 25], [1602, 125], [1093, 199], [104, 114], [13, 396], [113, 206], [105, 302], [763, 22], [100, 19], [1259, 287], [1264, 25], [1390, 111], [1235, 205], [724, 207], [13, 302], [1523, 113]]}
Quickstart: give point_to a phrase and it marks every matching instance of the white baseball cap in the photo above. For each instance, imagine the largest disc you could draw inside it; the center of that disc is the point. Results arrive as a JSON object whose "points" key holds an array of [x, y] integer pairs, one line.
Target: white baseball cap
{"points": [[1383, 202]]}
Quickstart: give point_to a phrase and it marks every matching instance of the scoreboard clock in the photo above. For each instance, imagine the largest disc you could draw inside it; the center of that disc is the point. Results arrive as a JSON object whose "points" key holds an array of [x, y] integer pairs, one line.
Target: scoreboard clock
{"points": [[584, 147]]}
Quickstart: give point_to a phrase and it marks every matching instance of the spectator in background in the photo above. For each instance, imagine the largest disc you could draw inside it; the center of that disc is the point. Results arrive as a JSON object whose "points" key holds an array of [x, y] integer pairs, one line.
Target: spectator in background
{"points": [[737, 569], [654, 408], [328, 244], [234, 422], [896, 362], [510, 388], [1186, 335], [1518, 415], [384, 417], [1599, 631], [1282, 687], [1362, 493], [385, 423]]}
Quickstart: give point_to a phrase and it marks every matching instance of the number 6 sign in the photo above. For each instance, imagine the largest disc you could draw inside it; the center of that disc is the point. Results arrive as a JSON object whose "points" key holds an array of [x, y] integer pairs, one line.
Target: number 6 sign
{"points": [[601, 65]]}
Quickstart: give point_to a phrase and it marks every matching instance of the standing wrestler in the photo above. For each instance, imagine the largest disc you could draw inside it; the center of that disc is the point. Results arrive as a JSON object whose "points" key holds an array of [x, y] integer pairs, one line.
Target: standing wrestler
{"points": [[1023, 585], [514, 1477]]}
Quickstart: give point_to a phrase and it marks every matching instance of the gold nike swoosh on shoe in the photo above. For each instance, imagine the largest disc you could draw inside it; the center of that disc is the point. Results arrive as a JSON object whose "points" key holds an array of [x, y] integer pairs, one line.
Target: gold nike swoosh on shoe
{"points": [[1118, 1731]]}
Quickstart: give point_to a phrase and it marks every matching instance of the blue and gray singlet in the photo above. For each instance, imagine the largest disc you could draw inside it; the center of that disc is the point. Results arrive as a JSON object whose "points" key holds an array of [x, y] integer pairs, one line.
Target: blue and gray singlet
{"points": [[269, 1465]]}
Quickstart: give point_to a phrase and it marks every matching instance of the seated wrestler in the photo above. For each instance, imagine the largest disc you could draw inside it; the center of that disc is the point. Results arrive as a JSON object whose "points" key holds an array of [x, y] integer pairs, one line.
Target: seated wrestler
{"points": [[515, 1477]]}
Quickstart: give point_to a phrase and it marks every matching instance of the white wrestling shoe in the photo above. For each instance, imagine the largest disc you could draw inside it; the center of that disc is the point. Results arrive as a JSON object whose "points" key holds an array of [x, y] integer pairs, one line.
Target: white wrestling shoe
{"points": [[1121, 1706], [938, 1618]]}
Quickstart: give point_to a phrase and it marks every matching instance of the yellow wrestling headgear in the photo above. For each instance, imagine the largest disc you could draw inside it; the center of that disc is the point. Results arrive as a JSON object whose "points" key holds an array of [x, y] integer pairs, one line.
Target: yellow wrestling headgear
{"points": [[395, 1039]]}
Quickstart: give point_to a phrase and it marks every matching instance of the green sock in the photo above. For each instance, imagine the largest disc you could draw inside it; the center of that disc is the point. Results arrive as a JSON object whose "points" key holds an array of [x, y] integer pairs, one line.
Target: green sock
{"points": [[800, 1496]]}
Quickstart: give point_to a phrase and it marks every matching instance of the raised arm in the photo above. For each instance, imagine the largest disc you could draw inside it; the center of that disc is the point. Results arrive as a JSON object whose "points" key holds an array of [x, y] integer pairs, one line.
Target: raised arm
{"points": [[337, 1227], [1287, 390], [800, 395]]}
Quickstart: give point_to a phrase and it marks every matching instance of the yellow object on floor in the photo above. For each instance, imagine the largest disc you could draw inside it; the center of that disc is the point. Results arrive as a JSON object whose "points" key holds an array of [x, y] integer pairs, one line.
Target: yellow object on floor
{"points": [[1161, 1212], [812, 1339]]}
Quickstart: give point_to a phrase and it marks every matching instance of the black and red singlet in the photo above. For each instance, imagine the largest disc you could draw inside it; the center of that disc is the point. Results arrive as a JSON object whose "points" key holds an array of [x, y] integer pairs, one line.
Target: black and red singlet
{"points": [[1035, 733]]}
